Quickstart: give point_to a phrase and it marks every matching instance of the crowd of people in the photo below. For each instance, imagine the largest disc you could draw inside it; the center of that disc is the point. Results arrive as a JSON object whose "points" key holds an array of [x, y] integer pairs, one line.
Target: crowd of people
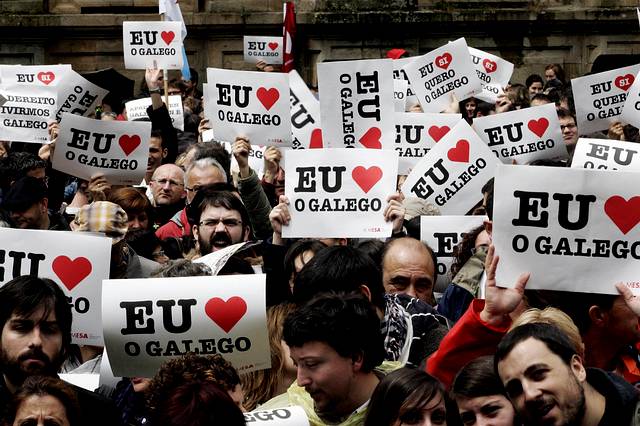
{"points": [[358, 332]]}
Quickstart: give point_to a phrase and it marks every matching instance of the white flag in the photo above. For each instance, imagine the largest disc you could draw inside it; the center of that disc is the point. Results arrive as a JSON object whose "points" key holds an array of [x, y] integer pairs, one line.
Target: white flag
{"points": [[172, 12]]}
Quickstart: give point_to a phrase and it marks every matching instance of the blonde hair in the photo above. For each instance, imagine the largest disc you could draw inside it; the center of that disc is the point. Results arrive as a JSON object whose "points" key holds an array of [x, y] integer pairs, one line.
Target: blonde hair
{"points": [[554, 317]]}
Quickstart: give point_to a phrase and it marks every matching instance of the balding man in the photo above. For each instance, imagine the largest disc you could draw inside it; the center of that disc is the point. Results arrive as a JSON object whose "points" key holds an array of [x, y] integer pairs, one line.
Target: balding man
{"points": [[408, 267], [167, 187]]}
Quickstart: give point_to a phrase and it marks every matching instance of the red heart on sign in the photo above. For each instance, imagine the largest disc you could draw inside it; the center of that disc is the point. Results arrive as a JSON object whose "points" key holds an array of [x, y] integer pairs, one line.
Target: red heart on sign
{"points": [[438, 132], [46, 77], [371, 138], [624, 81], [226, 314], [167, 36], [443, 61], [625, 214], [71, 272], [273, 45], [268, 97], [316, 139], [538, 127], [129, 143], [459, 154], [366, 178], [489, 65]]}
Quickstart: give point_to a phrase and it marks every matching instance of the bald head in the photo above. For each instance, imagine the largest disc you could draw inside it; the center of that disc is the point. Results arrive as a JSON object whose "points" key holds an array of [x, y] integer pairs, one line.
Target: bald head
{"points": [[409, 267], [167, 185]]}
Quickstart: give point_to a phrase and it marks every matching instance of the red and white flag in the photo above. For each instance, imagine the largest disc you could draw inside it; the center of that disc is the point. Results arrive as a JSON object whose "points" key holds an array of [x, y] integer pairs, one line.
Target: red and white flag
{"points": [[289, 32]]}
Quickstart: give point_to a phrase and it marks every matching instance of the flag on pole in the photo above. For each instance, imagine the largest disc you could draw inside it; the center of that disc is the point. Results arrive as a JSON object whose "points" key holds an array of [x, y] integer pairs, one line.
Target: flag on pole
{"points": [[171, 11], [289, 33]]}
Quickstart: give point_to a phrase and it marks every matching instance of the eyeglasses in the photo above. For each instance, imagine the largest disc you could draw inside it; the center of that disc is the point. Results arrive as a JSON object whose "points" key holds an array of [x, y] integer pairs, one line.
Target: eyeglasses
{"points": [[163, 182], [567, 126], [213, 223]]}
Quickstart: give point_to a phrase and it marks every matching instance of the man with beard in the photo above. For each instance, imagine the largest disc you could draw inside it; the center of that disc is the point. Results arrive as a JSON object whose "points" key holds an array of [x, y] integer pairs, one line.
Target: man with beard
{"points": [[36, 335], [547, 383]]}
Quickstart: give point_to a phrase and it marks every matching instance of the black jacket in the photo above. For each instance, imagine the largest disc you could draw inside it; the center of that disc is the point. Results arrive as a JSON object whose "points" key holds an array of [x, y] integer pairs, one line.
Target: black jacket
{"points": [[622, 398]]}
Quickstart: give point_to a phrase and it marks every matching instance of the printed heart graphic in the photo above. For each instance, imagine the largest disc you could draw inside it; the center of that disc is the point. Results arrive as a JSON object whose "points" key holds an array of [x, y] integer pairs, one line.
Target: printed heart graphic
{"points": [[71, 272], [625, 214], [316, 139], [273, 45], [624, 81], [366, 178], [167, 36], [443, 61], [268, 97], [226, 314], [371, 138], [489, 65], [538, 127], [438, 132], [459, 154], [129, 143], [46, 77]]}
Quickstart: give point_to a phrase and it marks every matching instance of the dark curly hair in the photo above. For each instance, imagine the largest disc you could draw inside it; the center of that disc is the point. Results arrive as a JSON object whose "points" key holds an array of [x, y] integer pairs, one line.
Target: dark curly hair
{"points": [[462, 250]]}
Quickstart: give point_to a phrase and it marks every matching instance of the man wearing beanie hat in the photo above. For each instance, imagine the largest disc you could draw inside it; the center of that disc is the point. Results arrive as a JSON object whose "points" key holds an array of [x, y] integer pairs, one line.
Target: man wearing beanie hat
{"points": [[27, 205]]}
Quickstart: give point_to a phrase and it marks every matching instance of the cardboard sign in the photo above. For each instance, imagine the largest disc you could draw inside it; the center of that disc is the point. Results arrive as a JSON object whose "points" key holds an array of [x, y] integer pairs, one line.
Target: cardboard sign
{"points": [[34, 75], [605, 154], [453, 173], [77, 261], [443, 233], [523, 135], [77, 95], [288, 416], [416, 134], [26, 115], [400, 94], [305, 114], [248, 103], [267, 49], [119, 149], [356, 106], [149, 321], [138, 109], [493, 72], [581, 235], [599, 98], [152, 44], [400, 74], [445, 70], [339, 192]]}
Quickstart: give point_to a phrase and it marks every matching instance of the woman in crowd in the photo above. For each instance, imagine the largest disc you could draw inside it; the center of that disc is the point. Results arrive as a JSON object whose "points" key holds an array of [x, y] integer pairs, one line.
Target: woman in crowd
{"points": [[138, 208], [44, 401]]}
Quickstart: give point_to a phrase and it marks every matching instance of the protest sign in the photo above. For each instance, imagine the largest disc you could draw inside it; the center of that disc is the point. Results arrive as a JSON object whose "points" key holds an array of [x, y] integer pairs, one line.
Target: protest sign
{"points": [[266, 49], [599, 98], [606, 154], [452, 174], [287, 416], [256, 159], [152, 44], [581, 235], [138, 109], [494, 74], [445, 70], [443, 233], [252, 104], [523, 135], [88, 381], [416, 134], [26, 114], [400, 74], [305, 114], [76, 261], [400, 94], [217, 259], [118, 149], [356, 106], [77, 95], [35, 75], [223, 315], [339, 192], [631, 108]]}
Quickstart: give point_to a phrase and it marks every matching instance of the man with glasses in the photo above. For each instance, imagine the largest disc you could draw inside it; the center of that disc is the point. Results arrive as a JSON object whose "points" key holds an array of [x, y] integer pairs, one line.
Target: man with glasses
{"points": [[167, 187], [569, 129]]}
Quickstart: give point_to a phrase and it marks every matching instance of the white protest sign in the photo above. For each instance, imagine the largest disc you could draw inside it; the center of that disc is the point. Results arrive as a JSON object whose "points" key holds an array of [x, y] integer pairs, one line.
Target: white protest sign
{"points": [[217, 259], [577, 236], [400, 74], [400, 94], [252, 104], [152, 44], [523, 135], [606, 154], [76, 261], [138, 109], [77, 95], [118, 149], [266, 49], [287, 416], [26, 115], [256, 159], [356, 103], [339, 192], [223, 315], [37, 75], [417, 133], [305, 114], [493, 72], [453, 173], [445, 70], [599, 98], [88, 381], [443, 233], [631, 109]]}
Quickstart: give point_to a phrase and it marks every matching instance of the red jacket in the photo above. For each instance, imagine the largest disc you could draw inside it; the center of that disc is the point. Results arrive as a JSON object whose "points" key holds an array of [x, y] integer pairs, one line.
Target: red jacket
{"points": [[177, 227]]}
